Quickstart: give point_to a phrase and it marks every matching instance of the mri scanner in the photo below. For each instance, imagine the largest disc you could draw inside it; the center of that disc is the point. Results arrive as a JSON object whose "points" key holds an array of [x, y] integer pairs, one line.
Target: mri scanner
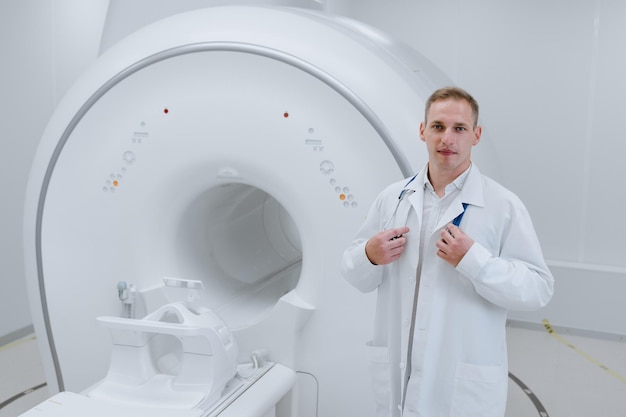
{"points": [[189, 204]]}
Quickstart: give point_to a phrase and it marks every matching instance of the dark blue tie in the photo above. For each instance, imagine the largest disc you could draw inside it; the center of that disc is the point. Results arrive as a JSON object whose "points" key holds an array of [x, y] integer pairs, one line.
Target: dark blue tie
{"points": [[457, 220]]}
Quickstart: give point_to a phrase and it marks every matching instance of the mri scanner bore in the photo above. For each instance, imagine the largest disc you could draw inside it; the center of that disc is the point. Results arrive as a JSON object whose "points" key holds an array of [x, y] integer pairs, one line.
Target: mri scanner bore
{"points": [[196, 189]]}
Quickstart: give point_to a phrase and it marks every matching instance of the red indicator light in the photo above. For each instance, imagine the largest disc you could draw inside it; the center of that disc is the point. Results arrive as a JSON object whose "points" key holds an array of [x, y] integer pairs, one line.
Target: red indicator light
{"points": [[285, 115], [166, 110]]}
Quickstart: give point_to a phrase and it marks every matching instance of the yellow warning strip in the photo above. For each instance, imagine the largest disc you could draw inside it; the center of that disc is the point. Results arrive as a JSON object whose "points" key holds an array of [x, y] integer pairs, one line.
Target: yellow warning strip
{"points": [[567, 343], [16, 343]]}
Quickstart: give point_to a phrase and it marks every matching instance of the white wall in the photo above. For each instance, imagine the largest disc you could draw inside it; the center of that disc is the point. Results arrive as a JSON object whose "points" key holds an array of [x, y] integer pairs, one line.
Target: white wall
{"points": [[25, 104], [45, 45], [548, 76]]}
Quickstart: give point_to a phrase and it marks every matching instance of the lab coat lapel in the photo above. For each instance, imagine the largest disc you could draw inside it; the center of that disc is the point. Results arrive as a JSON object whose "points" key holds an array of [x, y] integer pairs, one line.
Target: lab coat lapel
{"points": [[416, 203], [417, 198], [455, 209], [408, 263], [471, 194]]}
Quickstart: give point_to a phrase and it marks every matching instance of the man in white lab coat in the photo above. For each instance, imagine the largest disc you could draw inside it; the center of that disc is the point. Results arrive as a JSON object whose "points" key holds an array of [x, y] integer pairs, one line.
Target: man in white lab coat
{"points": [[449, 251]]}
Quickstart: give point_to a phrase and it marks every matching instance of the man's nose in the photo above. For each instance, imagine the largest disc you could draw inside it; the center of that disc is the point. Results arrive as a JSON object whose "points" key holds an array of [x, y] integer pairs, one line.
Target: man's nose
{"points": [[447, 136]]}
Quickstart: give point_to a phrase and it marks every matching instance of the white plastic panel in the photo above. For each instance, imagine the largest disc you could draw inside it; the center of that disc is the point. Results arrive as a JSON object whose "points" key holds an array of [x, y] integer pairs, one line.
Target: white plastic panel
{"points": [[254, 399], [174, 166]]}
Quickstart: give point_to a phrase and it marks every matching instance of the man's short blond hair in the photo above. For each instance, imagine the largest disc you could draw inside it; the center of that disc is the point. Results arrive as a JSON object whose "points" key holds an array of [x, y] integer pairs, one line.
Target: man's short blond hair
{"points": [[452, 93]]}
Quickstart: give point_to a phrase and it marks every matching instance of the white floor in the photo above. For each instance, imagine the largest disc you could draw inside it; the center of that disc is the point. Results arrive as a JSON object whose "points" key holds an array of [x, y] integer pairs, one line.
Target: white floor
{"points": [[566, 375], [20, 372], [572, 375]]}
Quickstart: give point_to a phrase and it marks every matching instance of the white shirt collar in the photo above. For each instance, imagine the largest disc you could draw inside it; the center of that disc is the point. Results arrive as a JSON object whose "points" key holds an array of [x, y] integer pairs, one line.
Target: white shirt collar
{"points": [[457, 184]]}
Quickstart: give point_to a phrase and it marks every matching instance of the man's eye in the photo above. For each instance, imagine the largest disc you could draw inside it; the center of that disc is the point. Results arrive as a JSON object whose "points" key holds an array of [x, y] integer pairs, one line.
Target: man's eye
{"points": [[461, 129], [437, 127]]}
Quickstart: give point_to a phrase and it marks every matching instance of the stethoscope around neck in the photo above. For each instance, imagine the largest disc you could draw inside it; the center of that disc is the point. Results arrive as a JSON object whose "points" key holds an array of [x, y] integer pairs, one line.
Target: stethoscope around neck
{"points": [[404, 193], [407, 192]]}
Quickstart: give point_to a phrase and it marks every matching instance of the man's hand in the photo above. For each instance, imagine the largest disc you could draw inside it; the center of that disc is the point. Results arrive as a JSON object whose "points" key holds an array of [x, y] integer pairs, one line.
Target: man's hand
{"points": [[453, 245], [386, 246]]}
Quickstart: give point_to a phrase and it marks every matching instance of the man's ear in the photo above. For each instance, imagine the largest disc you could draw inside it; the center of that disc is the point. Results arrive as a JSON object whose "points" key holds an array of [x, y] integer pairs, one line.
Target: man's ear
{"points": [[422, 128], [478, 131]]}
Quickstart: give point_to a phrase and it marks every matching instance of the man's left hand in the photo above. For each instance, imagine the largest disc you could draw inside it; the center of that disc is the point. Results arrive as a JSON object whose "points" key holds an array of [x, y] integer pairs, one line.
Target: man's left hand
{"points": [[453, 245]]}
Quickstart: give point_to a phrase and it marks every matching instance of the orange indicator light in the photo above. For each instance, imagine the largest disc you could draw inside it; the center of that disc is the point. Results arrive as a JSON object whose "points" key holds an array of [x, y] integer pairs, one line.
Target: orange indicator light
{"points": [[116, 183], [342, 197]]}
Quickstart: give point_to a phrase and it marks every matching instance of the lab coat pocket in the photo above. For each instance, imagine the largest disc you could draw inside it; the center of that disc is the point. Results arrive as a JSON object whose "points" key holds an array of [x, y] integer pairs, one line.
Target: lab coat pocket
{"points": [[479, 391], [379, 367]]}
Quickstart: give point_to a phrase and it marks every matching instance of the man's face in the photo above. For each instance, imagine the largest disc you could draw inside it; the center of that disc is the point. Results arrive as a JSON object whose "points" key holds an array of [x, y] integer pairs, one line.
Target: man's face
{"points": [[449, 134]]}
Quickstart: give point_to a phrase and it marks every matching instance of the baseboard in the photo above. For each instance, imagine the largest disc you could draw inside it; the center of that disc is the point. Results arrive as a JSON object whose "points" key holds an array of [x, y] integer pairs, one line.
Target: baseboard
{"points": [[16, 335]]}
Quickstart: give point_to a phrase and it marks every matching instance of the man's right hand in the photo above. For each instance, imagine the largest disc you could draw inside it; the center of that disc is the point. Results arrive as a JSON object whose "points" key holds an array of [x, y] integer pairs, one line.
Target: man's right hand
{"points": [[386, 246]]}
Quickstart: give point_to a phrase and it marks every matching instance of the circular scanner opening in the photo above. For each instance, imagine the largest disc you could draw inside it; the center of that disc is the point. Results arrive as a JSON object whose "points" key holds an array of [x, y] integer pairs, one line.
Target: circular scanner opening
{"points": [[245, 248]]}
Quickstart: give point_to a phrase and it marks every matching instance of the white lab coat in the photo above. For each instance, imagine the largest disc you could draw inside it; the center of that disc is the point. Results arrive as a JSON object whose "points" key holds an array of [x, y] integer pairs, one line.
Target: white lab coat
{"points": [[460, 358]]}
